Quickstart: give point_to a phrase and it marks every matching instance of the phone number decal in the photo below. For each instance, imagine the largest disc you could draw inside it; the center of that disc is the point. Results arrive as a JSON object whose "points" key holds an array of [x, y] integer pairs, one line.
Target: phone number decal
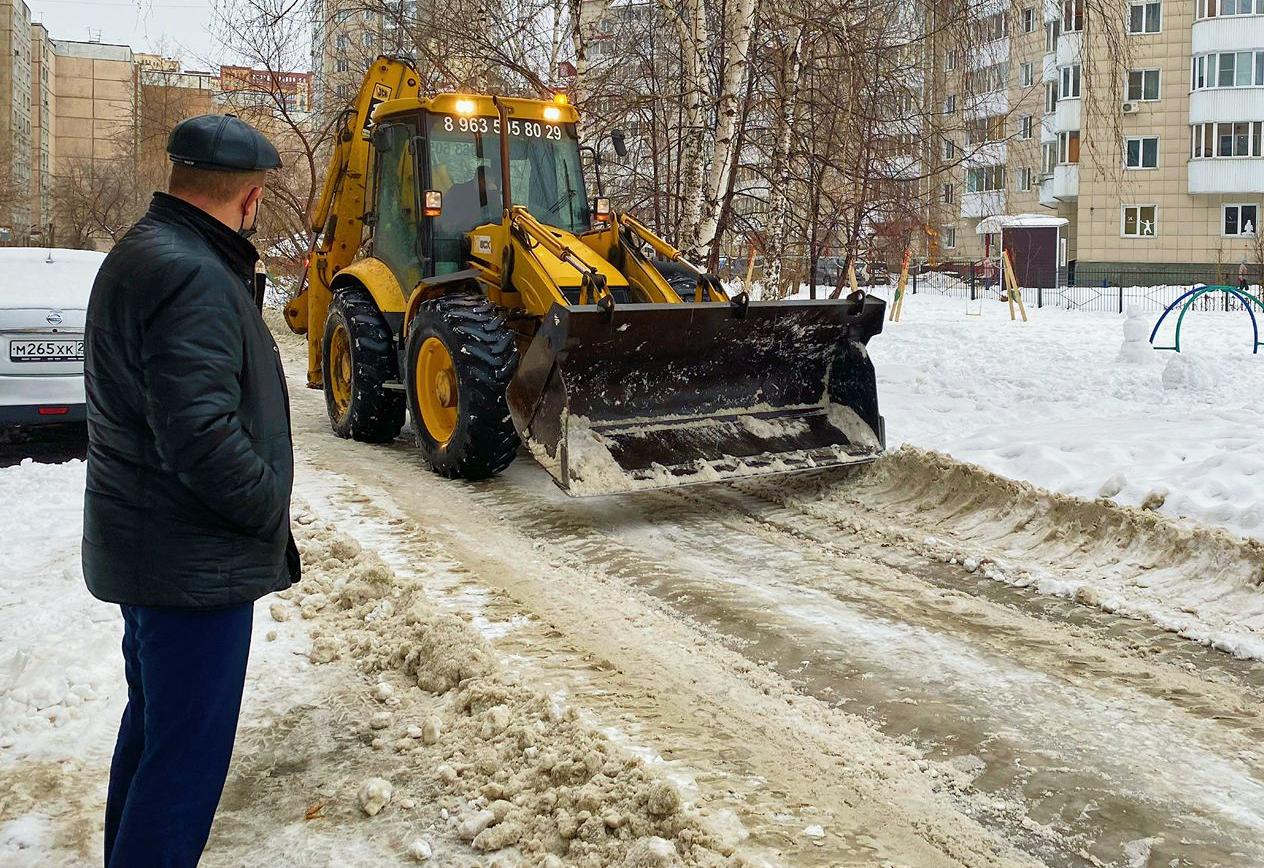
{"points": [[524, 129]]}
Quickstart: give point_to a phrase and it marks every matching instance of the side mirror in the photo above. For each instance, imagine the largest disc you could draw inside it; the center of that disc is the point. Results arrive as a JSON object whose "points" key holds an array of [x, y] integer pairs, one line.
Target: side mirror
{"points": [[432, 203], [602, 209], [620, 144]]}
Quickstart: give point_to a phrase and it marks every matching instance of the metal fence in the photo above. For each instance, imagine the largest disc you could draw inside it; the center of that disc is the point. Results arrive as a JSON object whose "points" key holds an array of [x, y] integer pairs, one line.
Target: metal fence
{"points": [[1102, 290]]}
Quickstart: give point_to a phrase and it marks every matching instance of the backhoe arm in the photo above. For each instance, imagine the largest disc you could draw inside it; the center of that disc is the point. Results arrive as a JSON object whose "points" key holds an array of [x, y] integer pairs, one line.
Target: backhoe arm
{"points": [[337, 219], [639, 232]]}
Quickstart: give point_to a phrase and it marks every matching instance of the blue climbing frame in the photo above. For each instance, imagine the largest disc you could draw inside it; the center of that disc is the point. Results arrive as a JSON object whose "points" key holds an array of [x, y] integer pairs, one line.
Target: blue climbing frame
{"points": [[1190, 297]]}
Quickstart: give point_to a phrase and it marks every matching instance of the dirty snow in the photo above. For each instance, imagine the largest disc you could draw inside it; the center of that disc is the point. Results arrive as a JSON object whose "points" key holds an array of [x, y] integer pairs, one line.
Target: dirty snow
{"points": [[1074, 402]]}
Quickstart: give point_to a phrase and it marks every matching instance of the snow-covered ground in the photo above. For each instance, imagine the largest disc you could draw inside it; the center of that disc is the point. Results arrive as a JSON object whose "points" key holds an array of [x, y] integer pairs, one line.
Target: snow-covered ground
{"points": [[1054, 402]]}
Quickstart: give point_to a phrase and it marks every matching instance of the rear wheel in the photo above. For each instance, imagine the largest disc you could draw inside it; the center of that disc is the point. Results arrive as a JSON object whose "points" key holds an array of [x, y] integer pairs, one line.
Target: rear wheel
{"points": [[357, 365], [460, 359]]}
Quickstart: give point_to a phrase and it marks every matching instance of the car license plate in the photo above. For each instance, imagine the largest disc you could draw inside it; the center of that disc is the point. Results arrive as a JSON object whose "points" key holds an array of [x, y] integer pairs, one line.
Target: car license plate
{"points": [[46, 351]]}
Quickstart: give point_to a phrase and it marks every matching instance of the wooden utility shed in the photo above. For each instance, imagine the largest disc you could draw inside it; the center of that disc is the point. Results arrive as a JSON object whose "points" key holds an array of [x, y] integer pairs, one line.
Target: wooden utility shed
{"points": [[1036, 244]]}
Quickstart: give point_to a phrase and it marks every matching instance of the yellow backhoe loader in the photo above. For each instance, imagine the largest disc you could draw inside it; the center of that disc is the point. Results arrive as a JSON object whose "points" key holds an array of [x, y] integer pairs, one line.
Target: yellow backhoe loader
{"points": [[460, 271]]}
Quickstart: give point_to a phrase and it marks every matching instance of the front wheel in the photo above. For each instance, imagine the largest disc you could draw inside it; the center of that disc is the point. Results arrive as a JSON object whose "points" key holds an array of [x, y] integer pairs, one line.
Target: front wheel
{"points": [[460, 359], [357, 366]]}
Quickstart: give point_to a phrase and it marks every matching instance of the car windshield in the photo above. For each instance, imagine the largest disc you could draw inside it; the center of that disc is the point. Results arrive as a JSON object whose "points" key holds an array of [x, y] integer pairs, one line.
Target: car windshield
{"points": [[544, 171]]}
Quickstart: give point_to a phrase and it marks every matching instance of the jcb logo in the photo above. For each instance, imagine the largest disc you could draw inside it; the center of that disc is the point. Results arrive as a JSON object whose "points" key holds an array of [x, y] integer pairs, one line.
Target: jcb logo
{"points": [[381, 93]]}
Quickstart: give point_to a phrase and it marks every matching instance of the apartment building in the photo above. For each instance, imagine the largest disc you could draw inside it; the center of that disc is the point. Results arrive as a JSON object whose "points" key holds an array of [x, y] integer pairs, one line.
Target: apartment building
{"points": [[1146, 138], [43, 110], [15, 118], [98, 93]]}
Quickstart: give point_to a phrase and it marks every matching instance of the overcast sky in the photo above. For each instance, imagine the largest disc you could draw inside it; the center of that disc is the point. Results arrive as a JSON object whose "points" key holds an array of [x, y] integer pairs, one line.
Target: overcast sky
{"points": [[179, 28]]}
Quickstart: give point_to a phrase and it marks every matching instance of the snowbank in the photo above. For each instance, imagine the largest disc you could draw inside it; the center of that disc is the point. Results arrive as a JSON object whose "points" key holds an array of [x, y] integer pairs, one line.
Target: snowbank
{"points": [[1065, 402]]}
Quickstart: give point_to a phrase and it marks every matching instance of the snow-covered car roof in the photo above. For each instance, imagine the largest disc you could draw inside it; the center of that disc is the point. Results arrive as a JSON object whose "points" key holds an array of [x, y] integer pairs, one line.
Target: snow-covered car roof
{"points": [[40, 277]]}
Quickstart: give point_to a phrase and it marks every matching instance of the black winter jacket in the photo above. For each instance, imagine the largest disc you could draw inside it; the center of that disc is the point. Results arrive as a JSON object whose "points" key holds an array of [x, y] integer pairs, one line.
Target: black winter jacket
{"points": [[190, 462]]}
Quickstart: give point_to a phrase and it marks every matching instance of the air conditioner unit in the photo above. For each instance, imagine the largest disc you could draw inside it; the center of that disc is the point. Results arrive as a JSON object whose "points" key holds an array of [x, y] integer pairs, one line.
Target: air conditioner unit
{"points": [[1130, 108]]}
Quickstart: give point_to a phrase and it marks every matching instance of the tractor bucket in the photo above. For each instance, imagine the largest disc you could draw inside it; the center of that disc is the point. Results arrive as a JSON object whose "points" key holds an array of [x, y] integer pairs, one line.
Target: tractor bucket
{"points": [[641, 396]]}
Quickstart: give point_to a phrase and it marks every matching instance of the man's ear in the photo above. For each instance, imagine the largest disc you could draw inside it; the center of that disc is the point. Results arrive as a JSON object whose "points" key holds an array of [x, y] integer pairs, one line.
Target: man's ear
{"points": [[252, 198]]}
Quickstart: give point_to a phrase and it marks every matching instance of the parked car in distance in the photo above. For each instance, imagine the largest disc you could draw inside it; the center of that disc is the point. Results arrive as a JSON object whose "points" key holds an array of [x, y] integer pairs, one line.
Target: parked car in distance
{"points": [[43, 302]]}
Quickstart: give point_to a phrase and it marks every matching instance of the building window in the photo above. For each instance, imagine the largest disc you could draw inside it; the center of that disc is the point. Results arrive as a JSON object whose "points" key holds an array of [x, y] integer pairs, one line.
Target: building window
{"points": [[1052, 30], [950, 104], [1231, 139], [1070, 82], [341, 65], [950, 62], [1228, 69], [1240, 220], [1024, 179], [1072, 16], [1141, 152], [1051, 96], [950, 236], [949, 194], [950, 150], [1140, 221], [1026, 74], [342, 42], [1048, 157], [1212, 8], [1069, 147], [1024, 127], [1029, 20], [992, 28], [991, 129], [985, 179], [1143, 85], [368, 40], [1144, 16]]}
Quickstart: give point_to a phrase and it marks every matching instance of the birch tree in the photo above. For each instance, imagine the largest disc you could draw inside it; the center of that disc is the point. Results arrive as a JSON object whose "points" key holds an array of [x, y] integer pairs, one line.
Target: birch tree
{"points": [[740, 26]]}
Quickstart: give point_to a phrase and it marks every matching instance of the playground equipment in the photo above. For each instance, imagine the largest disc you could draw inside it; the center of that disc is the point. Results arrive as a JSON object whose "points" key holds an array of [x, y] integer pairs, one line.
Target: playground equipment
{"points": [[897, 301], [1192, 296], [1013, 293]]}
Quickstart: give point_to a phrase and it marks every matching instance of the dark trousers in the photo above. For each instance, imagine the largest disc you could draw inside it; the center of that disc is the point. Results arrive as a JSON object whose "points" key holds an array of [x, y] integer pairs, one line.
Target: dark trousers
{"points": [[185, 672]]}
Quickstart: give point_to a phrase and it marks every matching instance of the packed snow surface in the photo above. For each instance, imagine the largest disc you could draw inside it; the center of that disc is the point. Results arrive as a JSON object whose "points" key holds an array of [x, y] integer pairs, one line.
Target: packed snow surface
{"points": [[1080, 403]]}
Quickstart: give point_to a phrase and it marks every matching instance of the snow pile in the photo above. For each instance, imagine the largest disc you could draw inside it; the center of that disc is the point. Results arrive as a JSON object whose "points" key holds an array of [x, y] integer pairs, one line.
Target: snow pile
{"points": [[514, 769], [59, 658], [1200, 583], [1052, 402]]}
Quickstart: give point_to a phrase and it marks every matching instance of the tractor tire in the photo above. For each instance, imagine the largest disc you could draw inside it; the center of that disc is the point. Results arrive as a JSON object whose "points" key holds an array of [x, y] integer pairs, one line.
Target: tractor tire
{"points": [[357, 364], [460, 358]]}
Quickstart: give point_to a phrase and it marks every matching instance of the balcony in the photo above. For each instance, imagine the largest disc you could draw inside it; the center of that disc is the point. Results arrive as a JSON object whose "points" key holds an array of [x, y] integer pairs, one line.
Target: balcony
{"points": [[1049, 68], [1226, 104], [978, 205], [986, 154], [1068, 49], [1063, 185], [1048, 130], [1067, 115], [1227, 175], [987, 104], [990, 54], [1230, 33]]}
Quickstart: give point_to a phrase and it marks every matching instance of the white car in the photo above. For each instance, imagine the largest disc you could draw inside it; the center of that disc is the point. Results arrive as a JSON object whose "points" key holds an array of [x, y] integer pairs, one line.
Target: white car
{"points": [[43, 301]]}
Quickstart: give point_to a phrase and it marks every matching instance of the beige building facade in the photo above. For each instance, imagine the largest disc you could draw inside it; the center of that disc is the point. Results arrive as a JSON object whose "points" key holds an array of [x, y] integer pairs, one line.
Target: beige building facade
{"points": [[1148, 142], [43, 142], [98, 93], [15, 118]]}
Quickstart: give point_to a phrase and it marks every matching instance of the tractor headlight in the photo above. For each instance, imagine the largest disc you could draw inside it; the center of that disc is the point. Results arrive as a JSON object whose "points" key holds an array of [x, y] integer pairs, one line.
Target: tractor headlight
{"points": [[465, 106], [552, 114]]}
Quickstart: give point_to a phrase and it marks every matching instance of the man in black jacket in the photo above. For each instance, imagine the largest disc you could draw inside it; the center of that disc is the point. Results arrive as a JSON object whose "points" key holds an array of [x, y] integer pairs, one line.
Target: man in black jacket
{"points": [[190, 466]]}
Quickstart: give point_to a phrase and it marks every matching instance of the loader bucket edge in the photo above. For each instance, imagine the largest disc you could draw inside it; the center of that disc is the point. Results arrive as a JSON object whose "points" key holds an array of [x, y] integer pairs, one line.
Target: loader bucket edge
{"points": [[658, 395]]}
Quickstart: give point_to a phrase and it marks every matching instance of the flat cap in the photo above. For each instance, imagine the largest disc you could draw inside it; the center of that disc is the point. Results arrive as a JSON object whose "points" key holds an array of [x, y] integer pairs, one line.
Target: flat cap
{"points": [[221, 142]]}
